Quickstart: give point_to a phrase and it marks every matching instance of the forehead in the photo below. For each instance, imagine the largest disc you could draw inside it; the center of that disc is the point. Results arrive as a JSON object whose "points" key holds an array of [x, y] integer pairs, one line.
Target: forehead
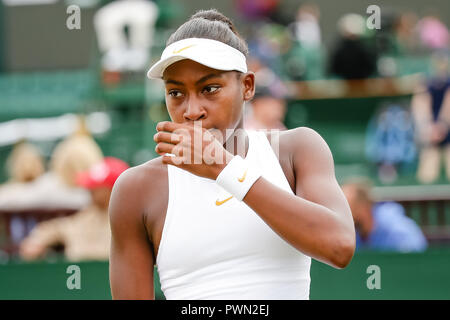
{"points": [[187, 70]]}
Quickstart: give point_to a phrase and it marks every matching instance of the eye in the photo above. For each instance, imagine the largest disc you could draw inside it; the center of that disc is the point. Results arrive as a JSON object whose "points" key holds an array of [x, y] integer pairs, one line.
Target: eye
{"points": [[175, 93], [211, 89]]}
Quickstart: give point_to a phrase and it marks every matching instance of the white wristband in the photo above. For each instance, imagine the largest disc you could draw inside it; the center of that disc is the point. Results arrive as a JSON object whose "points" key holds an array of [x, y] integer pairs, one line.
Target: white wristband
{"points": [[237, 177]]}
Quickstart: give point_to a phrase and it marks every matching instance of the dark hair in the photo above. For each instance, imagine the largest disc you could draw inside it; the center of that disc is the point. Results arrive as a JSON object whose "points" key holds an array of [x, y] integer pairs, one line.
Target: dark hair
{"points": [[210, 24]]}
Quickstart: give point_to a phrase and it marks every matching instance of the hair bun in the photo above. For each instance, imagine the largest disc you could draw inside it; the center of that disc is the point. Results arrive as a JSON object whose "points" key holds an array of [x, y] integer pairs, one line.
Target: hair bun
{"points": [[210, 24], [214, 15]]}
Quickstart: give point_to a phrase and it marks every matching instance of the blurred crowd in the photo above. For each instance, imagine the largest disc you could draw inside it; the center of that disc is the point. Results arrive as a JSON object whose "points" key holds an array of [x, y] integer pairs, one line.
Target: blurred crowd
{"points": [[61, 206], [398, 135], [63, 202]]}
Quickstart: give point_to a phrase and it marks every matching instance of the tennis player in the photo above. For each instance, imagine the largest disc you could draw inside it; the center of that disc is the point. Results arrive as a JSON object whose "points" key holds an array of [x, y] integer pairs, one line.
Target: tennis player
{"points": [[241, 223]]}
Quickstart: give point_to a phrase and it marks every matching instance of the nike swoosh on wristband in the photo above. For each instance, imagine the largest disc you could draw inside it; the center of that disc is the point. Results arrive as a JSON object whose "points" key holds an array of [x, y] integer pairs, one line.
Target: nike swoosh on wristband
{"points": [[243, 177], [218, 203]]}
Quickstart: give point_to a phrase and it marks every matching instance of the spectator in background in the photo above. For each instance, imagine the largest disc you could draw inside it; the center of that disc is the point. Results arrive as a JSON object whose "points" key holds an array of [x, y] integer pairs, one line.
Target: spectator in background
{"points": [[57, 187], [75, 154], [267, 112], [86, 234], [268, 107], [405, 33], [269, 43], [256, 9], [306, 28], [351, 59], [54, 189], [390, 141], [25, 163], [431, 109], [434, 34], [306, 58], [381, 226], [125, 51]]}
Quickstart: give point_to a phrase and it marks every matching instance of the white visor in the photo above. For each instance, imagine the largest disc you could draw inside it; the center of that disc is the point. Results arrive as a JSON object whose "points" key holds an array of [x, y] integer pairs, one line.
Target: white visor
{"points": [[211, 53]]}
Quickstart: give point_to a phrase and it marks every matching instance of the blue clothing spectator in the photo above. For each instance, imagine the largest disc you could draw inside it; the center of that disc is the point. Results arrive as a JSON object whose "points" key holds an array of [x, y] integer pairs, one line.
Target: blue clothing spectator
{"points": [[392, 230], [390, 142], [390, 136], [381, 226]]}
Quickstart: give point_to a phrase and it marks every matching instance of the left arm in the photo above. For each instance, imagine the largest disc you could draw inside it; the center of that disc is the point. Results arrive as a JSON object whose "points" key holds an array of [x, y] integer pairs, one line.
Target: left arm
{"points": [[317, 220]]}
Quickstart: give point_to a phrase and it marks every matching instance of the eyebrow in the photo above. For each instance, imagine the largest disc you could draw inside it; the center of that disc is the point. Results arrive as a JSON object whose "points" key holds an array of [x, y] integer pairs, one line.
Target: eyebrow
{"points": [[203, 79]]}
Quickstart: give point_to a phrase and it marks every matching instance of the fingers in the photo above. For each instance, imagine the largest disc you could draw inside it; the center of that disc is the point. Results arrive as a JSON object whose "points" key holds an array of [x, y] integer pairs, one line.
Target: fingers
{"points": [[162, 148], [167, 137], [176, 161], [169, 126], [166, 142]]}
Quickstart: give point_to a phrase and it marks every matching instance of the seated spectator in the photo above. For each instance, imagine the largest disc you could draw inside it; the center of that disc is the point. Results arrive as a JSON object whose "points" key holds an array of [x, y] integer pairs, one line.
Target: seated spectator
{"points": [[381, 226], [25, 163], [268, 107], [351, 59], [56, 188], [86, 234]]}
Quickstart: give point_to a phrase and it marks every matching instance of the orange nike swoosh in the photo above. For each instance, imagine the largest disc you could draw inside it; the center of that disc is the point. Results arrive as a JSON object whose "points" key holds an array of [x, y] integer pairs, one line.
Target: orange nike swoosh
{"points": [[182, 49], [218, 203], [243, 177]]}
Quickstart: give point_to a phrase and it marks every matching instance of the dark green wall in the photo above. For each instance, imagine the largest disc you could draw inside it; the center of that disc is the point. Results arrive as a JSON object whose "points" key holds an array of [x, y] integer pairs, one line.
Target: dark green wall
{"points": [[37, 38], [2, 35], [403, 276]]}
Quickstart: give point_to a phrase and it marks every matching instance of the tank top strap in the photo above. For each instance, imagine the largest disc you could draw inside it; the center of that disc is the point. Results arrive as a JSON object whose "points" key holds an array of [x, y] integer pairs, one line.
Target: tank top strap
{"points": [[266, 154]]}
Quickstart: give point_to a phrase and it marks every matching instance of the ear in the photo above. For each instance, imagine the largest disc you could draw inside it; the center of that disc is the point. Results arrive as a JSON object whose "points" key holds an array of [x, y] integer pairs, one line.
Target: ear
{"points": [[248, 81]]}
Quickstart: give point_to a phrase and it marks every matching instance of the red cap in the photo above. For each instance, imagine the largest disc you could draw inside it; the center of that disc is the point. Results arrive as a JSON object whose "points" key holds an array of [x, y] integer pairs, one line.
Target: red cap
{"points": [[103, 174]]}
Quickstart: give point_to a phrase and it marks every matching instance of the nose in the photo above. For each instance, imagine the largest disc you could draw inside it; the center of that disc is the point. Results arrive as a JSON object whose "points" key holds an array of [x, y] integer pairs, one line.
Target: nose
{"points": [[194, 111]]}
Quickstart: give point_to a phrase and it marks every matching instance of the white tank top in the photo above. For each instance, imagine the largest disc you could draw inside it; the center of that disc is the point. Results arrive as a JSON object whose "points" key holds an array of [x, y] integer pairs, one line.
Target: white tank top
{"points": [[227, 252]]}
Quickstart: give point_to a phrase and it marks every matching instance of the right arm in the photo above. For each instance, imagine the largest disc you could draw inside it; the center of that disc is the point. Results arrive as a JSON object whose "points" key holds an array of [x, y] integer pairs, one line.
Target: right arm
{"points": [[131, 257]]}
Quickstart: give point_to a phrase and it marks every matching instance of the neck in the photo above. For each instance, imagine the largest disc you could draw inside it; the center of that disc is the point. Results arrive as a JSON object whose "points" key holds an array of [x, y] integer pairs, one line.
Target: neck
{"points": [[237, 142]]}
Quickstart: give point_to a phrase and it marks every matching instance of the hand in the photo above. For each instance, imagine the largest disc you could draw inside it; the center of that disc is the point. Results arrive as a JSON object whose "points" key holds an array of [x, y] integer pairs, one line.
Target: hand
{"points": [[30, 250], [438, 132], [196, 149]]}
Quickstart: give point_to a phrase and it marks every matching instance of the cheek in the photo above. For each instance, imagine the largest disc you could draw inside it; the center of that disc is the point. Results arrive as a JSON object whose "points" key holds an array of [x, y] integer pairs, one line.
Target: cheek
{"points": [[174, 111], [234, 109], [227, 109]]}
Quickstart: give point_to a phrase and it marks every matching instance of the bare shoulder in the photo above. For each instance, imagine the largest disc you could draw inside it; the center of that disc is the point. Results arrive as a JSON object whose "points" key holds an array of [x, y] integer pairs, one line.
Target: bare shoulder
{"points": [[137, 187], [139, 176], [308, 149], [301, 139], [304, 137]]}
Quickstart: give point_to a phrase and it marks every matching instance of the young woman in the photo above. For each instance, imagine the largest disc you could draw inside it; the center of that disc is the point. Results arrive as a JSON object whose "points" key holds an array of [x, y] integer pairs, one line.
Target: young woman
{"points": [[243, 226]]}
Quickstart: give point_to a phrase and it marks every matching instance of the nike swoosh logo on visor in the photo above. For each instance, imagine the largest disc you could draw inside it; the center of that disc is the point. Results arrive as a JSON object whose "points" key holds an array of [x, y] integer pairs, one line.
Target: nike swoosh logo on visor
{"points": [[182, 49]]}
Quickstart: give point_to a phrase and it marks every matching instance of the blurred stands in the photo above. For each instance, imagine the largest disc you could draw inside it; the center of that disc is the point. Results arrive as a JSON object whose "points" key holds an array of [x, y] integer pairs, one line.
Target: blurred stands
{"points": [[62, 74], [46, 94]]}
